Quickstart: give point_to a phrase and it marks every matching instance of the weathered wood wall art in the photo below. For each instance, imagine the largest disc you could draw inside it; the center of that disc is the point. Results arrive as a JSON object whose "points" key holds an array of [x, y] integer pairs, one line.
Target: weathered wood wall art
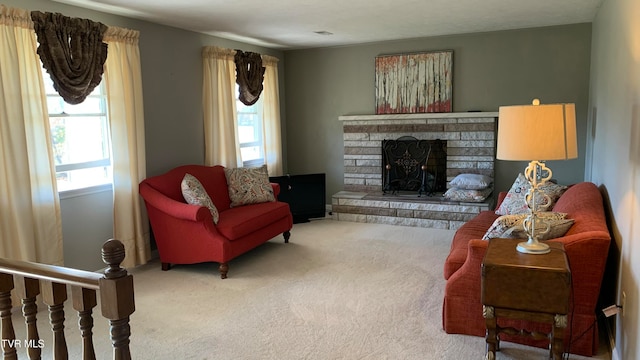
{"points": [[414, 83]]}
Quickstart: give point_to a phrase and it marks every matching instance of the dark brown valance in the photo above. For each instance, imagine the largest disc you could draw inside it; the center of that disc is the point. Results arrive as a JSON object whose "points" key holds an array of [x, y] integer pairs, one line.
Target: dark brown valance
{"points": [[249, 75], [72, 52]]}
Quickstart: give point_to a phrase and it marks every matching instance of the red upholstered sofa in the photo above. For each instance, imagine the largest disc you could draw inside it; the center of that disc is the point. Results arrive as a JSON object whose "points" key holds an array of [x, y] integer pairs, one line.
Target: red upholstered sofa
{"points": [[186, 234], [586, 245]]}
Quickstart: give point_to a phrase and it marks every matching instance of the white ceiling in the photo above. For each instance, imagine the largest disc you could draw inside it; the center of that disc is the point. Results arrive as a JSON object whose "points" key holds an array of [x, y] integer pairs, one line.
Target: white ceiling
{"points": [[291, 24]]}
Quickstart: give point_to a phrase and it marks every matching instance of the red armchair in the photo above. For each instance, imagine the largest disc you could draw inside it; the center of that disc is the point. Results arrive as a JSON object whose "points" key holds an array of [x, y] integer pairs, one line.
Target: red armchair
{"points": [[186, 234]]}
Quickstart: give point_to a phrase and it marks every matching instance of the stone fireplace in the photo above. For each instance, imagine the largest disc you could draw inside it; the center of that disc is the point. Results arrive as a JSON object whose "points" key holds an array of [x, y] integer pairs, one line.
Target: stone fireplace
{"points": [[469, 143]]}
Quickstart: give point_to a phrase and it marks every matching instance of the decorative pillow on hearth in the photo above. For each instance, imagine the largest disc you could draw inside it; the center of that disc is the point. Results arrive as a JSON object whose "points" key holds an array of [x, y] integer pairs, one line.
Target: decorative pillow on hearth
{"points": [[249, 186], [195, 194], [464, 195], [510, 226], [515, 201], [471, 181]]}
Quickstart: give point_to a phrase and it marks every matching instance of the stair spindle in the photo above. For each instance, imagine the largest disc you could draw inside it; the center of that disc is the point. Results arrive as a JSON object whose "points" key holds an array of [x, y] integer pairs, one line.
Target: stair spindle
{"points": [[30, 289], [54, 295], [84, 300], [8, 335]]}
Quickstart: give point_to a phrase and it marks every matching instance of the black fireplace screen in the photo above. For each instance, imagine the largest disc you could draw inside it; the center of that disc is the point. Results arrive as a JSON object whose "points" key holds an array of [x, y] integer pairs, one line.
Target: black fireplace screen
{"points": [[409, 164]]}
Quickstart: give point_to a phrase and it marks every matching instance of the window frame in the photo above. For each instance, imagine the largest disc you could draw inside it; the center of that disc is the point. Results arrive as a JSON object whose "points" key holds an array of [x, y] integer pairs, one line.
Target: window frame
{"points": [[259, 113], [105, 139]]}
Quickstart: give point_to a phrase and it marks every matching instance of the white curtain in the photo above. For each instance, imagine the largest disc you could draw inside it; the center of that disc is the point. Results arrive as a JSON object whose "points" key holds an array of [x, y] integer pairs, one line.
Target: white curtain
{"points": [[219, 103], [222, 146], [30, 220], [271, 116], [126, 122]]}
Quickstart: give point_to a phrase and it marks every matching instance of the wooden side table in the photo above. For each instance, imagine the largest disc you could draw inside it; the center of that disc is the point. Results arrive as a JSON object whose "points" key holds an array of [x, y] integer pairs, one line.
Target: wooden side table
{"points": [[525, 287]]}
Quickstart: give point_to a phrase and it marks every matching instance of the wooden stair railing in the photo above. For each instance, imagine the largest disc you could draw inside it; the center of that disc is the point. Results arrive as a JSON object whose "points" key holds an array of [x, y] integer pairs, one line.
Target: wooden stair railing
{"points": [[115, 288]]}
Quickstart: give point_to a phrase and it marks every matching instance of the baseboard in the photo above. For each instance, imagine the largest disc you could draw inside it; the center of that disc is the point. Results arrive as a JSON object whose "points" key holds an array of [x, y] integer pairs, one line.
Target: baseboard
{"points": [[611, 340], [614, 356]]}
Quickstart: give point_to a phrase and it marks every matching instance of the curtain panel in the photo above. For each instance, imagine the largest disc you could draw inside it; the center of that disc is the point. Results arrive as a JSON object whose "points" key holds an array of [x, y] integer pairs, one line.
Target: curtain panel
{"points": [[123, 77], [222, 146], [271, 116], [30, 220]]}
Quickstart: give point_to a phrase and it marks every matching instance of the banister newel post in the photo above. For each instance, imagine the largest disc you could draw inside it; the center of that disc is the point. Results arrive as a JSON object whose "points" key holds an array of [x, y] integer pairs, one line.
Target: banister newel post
{"points": [[116, 298]]}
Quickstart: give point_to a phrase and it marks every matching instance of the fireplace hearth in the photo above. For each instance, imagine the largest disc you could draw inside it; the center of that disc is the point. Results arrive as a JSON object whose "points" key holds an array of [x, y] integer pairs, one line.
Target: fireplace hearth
{"points": [[413, 165]]}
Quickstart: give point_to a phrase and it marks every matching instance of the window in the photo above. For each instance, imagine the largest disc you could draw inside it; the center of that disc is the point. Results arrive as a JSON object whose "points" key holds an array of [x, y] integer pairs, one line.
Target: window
{"points": [[250, 133], [80, 139]]}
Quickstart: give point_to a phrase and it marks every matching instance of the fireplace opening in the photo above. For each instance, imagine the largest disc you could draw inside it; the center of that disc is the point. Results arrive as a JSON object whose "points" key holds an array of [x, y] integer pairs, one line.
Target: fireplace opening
{"points": [[413, 165]]}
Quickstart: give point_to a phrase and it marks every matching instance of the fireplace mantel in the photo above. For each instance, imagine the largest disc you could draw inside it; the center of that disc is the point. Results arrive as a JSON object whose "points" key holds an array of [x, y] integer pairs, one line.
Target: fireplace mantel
{"points": [[421, 116]]}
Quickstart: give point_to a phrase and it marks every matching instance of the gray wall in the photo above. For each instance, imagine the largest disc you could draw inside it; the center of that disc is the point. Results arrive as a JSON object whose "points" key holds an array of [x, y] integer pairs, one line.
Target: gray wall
{"points": [[172, 86], [614, 146], [490, 70]]}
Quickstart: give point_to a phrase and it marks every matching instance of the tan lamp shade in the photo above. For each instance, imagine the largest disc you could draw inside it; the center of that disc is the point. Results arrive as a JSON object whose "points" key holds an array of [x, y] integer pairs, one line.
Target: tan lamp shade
{"points": [[537, 132]]}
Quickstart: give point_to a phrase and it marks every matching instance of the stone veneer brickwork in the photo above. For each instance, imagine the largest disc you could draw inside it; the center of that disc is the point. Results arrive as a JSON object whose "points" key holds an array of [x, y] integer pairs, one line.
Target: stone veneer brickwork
{"points": [[470, 149]]}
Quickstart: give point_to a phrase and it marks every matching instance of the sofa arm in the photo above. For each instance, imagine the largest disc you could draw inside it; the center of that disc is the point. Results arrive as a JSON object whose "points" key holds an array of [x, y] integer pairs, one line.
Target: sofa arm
{"points": [[470, 270], [587, 254], [276, 189], [173, 208], [464, 287], [501, 196], [475, 256], [462, 308]]}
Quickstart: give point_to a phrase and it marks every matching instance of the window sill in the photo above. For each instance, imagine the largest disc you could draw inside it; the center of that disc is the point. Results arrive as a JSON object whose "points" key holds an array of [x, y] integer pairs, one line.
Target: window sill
{"points": [[84, 191], [253, 163]]}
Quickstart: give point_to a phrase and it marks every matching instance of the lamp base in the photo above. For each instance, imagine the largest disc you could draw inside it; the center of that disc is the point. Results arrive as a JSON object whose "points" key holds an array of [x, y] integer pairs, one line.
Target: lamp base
{"points": [[533, 247]]}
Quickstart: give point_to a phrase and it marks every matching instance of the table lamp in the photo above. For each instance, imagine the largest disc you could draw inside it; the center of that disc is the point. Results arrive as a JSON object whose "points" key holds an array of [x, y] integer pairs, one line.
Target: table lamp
{"points": [[536, 133]]}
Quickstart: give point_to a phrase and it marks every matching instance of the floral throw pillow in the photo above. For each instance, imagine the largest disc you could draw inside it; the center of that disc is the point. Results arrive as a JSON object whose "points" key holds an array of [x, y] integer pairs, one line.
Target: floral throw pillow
{"points": [[557, 228], [195, 194], [515, 201], [510, 226], [249, 186]]}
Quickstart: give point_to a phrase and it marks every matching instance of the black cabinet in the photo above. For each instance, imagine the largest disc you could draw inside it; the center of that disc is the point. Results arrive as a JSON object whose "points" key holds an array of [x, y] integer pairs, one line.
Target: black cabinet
{"points": [[305, 194]]}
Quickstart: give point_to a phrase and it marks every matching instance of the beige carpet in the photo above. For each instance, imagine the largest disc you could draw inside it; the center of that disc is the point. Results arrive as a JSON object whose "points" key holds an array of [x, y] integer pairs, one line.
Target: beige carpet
{"points": [[338, 290]]}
